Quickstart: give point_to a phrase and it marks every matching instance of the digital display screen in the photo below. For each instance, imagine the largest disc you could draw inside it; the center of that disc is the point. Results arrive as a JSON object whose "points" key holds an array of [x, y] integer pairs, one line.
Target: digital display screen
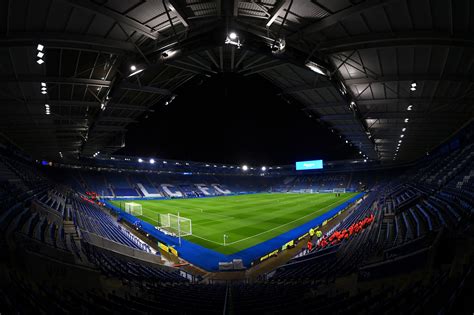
{"points": [[309, 165]]}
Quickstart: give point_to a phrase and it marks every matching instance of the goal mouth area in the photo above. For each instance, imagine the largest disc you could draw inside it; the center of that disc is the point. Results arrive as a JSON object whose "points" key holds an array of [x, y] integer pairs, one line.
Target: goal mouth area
{"points": [[133, 208], [176, 225]]}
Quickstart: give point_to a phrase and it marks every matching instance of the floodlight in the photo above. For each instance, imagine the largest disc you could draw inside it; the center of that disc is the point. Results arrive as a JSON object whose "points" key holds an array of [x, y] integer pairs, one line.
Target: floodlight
{"points": [[40, 54], [152, 161], [133, 67], [403, 130], [40, 61], [316, 68], [169, 53], [40, 47], [406, 120], [402, 135], [264, 168], [410, 107], [43, 84], [245, 168], [233, 39], [44, 92], [140, 161], [135, 72]]}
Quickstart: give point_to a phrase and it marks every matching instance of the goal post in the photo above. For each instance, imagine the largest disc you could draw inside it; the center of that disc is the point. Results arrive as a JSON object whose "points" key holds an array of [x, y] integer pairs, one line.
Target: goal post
{"points": [[339, 190], [133, 208], [177, 225], [164, 220], [181, 226]]}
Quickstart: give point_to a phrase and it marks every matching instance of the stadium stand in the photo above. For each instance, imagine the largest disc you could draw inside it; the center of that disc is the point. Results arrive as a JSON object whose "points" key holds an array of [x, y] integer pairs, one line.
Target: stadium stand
{"points": [[417, 218]]}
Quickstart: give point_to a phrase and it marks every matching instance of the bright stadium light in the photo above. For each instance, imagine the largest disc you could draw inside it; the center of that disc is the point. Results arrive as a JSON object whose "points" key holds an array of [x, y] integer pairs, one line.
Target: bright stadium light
{"points": [[40, 54], [403, 130], [152, 161], [402, 135], [264, 168], [245, 168], [410, 107], [140, 161], [135, 72], [406, 120], [40, 61], [169, 53], [133, 68], [316, 68], [39, 47], [233, 39]]}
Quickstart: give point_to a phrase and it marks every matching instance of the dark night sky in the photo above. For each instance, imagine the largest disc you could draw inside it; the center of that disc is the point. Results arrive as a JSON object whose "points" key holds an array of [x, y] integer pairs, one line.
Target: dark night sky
{"points": [[232, 119]]}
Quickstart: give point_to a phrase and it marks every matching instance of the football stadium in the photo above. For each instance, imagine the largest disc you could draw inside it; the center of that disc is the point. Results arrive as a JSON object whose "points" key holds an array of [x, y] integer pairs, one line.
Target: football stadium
{"points": [[237, 157]]}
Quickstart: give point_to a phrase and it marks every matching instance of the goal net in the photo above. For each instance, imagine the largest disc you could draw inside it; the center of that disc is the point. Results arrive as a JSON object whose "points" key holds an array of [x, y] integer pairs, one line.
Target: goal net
{"points": [[177, 225], [133, 208], [339, 190]]}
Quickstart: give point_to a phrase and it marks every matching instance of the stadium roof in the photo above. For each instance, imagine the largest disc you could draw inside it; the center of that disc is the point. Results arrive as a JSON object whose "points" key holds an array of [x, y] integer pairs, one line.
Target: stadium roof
{"points": [[366, 56]]}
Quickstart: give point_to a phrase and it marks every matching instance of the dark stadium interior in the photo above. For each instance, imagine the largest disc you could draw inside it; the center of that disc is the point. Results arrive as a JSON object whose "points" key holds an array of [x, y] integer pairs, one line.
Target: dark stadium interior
{"points": [[236, 157], [246, 116]]}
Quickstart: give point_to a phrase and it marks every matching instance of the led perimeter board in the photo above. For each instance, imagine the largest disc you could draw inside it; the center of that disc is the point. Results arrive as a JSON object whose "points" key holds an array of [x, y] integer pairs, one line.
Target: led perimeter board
{"points": [[309, 165]]}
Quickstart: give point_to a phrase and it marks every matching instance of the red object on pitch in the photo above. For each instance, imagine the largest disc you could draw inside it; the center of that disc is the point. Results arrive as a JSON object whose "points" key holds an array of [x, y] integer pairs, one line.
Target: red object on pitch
{"points": [[310, 245]]}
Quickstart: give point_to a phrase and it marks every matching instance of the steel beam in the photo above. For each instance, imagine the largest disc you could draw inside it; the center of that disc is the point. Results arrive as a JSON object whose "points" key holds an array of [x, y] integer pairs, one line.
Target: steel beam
{"points": [[104, 11], [67, 41], [341, 15], [380, 40]]}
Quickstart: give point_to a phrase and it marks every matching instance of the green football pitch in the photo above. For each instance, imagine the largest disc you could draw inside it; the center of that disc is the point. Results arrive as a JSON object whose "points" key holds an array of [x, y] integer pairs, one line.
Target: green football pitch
{"points": [[247, 220]]}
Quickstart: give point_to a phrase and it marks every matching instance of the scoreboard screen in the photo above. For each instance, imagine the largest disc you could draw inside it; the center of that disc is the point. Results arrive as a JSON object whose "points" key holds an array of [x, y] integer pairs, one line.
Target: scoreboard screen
{"points": [[309, 165]]}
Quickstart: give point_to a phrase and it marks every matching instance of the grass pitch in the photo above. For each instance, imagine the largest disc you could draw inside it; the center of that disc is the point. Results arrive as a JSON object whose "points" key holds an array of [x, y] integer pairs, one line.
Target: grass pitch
{"points": [[247, 220]]}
